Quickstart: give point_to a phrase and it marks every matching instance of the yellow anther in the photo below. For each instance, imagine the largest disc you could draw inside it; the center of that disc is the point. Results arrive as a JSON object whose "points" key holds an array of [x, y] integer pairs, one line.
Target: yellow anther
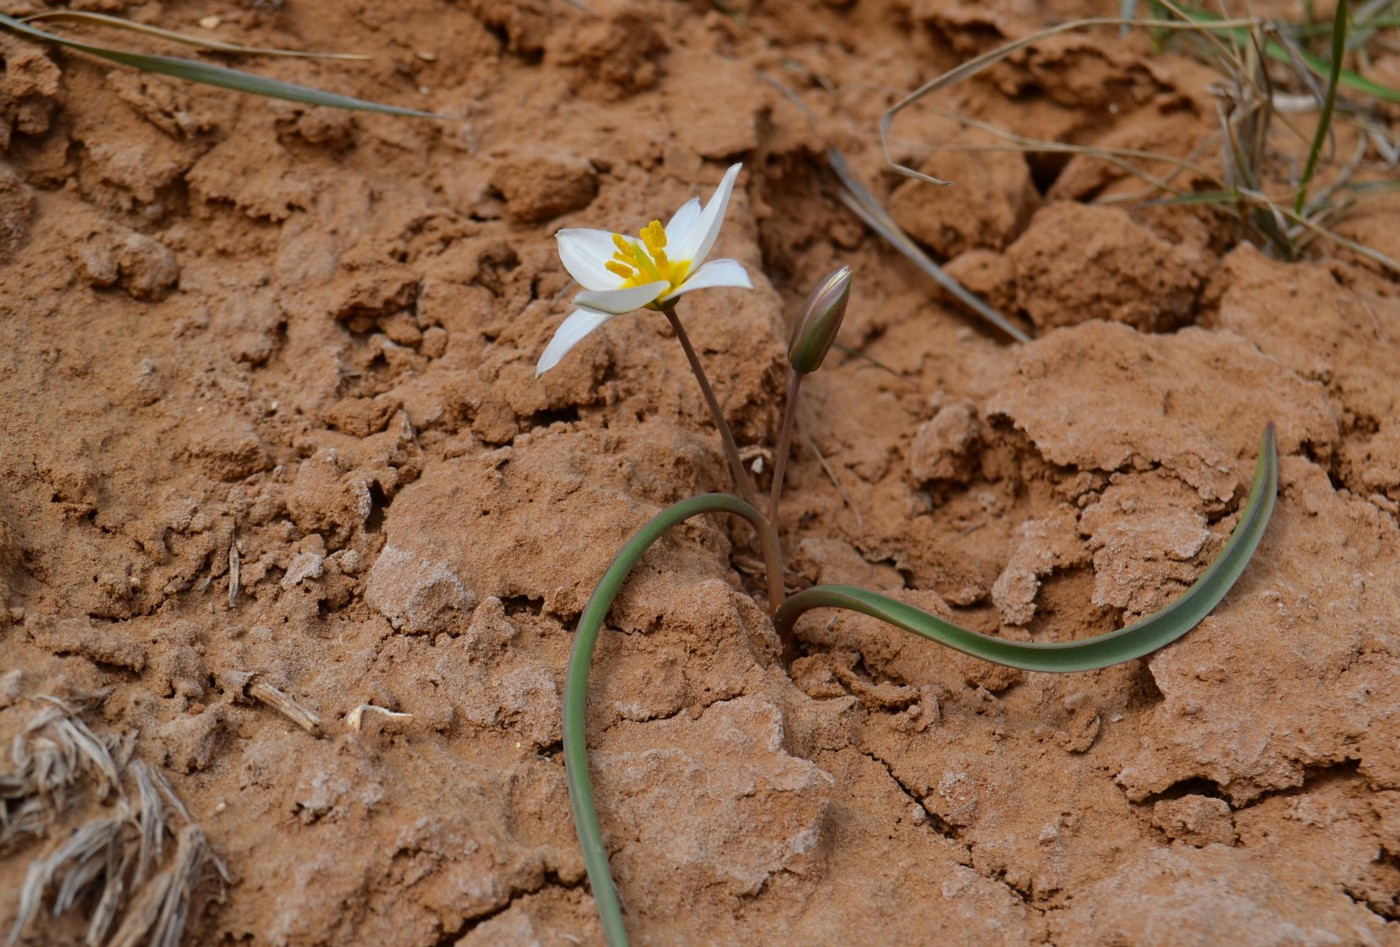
{"points": [[654, 236], [645, 260]]}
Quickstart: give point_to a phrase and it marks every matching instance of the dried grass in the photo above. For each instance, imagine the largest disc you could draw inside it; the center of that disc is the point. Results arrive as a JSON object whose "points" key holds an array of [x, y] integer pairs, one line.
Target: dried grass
{"points": [[1252, 183], [109, 865]]}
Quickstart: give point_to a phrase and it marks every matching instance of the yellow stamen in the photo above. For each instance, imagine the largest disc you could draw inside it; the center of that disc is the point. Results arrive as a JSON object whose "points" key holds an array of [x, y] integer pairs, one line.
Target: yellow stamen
{"points": [[654, 236], [645, 261]]}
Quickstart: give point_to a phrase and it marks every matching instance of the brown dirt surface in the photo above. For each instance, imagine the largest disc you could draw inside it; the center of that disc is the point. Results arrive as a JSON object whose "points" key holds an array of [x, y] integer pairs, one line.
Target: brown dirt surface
{"points": [[274, 450]]}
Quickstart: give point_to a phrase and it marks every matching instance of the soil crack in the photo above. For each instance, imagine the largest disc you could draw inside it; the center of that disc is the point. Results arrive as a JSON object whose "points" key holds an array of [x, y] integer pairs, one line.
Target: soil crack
{"points": [[550, 880]]}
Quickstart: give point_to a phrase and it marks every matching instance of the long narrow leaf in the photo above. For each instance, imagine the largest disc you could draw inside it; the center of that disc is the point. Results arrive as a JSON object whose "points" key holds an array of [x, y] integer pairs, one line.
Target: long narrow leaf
{"points": [[1329, 102], [1319, 66], [1138, 639], [1134, 641], [864, 205], [585, 810], [117, 23], [193, 71]]}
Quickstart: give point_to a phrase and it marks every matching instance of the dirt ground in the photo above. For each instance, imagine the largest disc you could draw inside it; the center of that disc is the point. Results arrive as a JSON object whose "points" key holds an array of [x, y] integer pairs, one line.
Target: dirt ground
{"points": [[273, 439]]}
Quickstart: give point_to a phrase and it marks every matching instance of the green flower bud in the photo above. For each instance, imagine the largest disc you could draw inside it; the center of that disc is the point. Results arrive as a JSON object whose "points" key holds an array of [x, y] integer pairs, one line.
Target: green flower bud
{"points": [[818, 322]]}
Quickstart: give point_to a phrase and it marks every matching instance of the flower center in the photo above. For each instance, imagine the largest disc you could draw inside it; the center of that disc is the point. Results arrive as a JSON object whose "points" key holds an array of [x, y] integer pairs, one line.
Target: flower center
{"points": [[645, 261]]}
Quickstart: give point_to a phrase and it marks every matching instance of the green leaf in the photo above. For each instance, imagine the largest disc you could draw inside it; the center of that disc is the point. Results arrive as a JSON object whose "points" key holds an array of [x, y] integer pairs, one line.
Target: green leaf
{"points": [[206, 74], [1134, 641], [1142, 637], [1329, 102], [1319, 66], [585, 809]]}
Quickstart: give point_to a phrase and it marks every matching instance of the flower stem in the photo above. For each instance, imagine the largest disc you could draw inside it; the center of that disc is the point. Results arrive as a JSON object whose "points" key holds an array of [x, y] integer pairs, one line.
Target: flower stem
{"points": [[768, 540], [731, 450], [772, 547], [784, 445]]}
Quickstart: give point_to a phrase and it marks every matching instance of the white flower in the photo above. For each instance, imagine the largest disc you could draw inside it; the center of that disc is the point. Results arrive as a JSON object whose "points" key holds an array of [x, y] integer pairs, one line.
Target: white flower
{"points": [[620, 274]]}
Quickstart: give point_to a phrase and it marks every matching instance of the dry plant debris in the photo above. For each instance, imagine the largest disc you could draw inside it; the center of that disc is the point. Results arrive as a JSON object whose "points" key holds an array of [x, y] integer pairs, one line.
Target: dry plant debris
{"points": [[104, 862]]}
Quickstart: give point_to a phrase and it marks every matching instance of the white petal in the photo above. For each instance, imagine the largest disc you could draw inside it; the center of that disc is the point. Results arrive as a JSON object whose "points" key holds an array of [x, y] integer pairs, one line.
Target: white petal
{"points": [[696, 243], [712, 274], [682, 221], [618, 301], [584, 252], [569, 334]]}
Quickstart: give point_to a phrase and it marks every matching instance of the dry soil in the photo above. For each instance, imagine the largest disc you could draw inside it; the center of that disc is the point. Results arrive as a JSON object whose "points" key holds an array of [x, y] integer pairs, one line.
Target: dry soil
{"points": [[272, 440]]}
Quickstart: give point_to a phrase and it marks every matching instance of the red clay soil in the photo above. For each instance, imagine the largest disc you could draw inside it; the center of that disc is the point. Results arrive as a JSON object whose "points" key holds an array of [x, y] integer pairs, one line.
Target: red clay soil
{"points": [[250, 340]]}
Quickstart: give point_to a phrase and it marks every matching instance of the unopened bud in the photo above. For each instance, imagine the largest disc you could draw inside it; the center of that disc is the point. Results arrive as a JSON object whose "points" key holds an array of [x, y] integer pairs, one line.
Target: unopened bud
{"points": [[818, 322]]}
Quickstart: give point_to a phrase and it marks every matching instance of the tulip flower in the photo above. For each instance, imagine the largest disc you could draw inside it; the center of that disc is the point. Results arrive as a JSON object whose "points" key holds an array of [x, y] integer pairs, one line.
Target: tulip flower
{"points": [[620, 274]]}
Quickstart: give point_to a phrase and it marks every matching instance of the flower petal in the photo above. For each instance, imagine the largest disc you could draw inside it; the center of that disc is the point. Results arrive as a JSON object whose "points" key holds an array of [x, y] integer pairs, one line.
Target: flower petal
{"points": [[618, 301], [570, 332], [682, 221], [712, 274], [698, 240], [584, 252]]}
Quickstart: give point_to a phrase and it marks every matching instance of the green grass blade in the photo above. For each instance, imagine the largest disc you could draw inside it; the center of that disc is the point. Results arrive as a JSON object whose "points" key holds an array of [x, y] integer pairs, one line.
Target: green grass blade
{"points": [[1134, 641], [1329, 102], [1319, 66], [206, 74], [1198, 197], [590, 624]]}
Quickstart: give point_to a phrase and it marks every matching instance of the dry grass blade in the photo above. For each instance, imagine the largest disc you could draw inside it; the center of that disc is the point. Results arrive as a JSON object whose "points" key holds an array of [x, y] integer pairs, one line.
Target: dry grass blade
{"points": [[157, 917], [193, 71], [152, 821], [1316, 65], [831, 475], [79, 853], [108, 906], [1118, 157], [1339, 194], [985, 61], [103, 860], [115, 22], [1247, 114], [92, 850], [84, 743], [1375, 256], [867, 208], [49, 756]]}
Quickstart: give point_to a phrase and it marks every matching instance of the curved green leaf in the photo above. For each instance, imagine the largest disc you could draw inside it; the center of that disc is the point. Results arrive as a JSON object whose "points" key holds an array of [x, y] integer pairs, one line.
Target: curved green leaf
{"points": [[1134, 641], [1131, 642], [585, 810]]}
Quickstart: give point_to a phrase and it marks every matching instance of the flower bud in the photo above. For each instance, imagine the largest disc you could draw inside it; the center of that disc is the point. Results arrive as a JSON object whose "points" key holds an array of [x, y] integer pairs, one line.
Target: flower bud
{"points": [[818, 322]]}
